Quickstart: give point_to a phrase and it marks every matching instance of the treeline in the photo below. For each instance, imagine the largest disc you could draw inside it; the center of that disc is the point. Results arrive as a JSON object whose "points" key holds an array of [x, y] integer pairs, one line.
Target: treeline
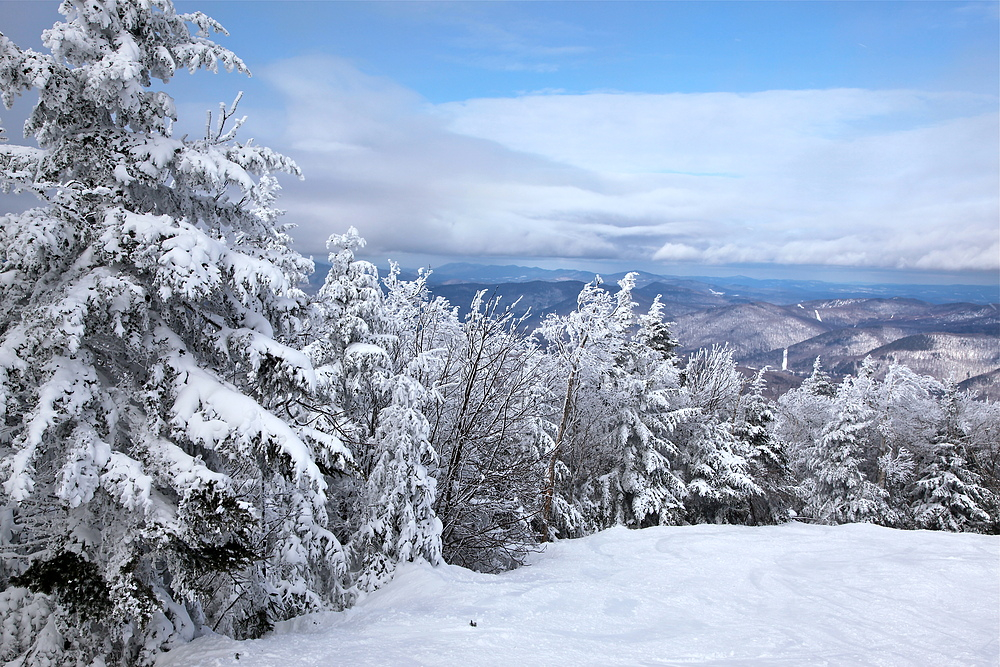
{"points": [[592, 420], [190, 444]]}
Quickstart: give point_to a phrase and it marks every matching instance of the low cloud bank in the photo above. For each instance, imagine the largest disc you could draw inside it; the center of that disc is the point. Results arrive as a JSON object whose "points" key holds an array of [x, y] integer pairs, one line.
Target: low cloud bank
{"points": [[854, 178]]}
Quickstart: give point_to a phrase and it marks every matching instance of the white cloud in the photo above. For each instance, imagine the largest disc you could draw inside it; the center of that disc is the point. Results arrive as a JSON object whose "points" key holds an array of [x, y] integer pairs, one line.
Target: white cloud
{"points": [[894, 179]]}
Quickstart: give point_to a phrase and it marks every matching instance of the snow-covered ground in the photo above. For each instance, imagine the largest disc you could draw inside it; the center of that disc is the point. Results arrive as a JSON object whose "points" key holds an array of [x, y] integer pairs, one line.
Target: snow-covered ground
{"points": [[697, 595]]}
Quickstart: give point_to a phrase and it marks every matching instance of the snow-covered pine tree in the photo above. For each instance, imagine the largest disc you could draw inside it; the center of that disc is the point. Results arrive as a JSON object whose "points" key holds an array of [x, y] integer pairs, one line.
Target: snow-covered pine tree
{"points": [[612, 452], [947, 492], [415, 331], [370, 370], [947, 495], [977, 424], [845, 476], [907, 411], [818, 383], [640, 487], [400, 524], [341, 346], [713, 459], [347, 307], [765, 454], [156, 479]]}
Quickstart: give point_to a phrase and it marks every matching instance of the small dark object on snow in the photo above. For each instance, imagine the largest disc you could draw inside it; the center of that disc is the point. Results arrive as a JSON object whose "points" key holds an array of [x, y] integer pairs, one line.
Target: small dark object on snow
{"points": [[472, 623]]}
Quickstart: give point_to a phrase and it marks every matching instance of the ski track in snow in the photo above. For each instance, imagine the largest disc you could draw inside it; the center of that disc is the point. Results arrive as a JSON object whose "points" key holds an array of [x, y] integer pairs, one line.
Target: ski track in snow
{"points": [[695, 595]]}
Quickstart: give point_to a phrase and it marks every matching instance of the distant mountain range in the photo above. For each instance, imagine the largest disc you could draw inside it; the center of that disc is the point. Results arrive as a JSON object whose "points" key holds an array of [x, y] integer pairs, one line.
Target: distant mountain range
{"points": [[735, 289], [947, 331], [959, 341]]}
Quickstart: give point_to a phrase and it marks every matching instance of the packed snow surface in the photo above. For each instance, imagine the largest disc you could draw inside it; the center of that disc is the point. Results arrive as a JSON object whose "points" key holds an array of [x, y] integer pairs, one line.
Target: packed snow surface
{"points": [[694, 595]]}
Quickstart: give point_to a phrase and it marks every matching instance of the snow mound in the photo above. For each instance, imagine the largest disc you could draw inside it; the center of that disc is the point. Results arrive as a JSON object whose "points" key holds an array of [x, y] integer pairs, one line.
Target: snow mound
{"points": [[706, 595]]}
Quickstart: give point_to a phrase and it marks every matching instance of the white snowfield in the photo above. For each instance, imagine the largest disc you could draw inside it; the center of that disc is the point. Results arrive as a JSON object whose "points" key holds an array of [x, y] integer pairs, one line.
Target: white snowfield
{"points": [[696, 595]]}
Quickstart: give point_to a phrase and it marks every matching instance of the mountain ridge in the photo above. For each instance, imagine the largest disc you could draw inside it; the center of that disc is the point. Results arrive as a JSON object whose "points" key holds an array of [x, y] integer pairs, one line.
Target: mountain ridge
{"points": [[773, 290]]}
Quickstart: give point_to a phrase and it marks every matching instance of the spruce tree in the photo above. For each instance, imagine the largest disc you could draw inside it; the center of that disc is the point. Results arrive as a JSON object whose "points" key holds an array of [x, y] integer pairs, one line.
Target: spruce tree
{"points": [[371, 375], [156, 461], [818, 383], [845, 475], [948, 492], [715, 461], [642, 488], [613, 455], [947, 495], [766, 455]]}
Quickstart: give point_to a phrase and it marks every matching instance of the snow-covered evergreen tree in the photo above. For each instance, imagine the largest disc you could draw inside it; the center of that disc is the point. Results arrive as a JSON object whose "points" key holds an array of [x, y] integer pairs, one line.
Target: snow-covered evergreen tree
{"points": [[766, 455], [907, 411], [947, 491], [890, 446], [947, 495], [401, 489], [617, 384], [348, 306], [818, 383], [977, 423], [400, 524], [157, 477], [845, 487], [641, 487], [370, 368], [349, 367], [714, 460]]}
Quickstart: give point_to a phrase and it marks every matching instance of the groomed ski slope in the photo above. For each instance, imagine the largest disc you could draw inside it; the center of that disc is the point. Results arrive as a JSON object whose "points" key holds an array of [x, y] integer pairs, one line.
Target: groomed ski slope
{"points": [[695, 595]]}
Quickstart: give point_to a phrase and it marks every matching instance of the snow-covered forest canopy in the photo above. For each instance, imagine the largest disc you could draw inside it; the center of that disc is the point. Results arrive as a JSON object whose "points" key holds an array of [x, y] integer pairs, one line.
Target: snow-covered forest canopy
{"points": [[190, 443]]}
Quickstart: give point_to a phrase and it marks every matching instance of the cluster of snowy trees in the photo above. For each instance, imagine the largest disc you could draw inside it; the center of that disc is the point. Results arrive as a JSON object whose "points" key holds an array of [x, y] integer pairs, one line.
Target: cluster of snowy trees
{"points": [[188, 442], [894, 448]]}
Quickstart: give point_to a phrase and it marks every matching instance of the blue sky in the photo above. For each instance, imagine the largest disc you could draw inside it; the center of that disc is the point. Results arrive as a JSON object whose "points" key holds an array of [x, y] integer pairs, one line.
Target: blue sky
{"points": [[832, 140]]}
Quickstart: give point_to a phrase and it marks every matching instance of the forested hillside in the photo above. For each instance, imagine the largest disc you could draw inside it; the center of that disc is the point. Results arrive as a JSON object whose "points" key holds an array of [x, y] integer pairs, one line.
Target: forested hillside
{"points": [[190, 442]]}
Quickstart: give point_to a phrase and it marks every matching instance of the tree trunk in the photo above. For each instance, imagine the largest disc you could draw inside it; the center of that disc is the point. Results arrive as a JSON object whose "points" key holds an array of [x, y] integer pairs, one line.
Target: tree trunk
{"points": [[550, 477]]}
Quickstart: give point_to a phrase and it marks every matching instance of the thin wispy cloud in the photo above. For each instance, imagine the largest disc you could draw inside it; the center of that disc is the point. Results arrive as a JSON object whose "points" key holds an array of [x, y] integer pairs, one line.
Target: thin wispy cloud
{"points": [[526, 46]]}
